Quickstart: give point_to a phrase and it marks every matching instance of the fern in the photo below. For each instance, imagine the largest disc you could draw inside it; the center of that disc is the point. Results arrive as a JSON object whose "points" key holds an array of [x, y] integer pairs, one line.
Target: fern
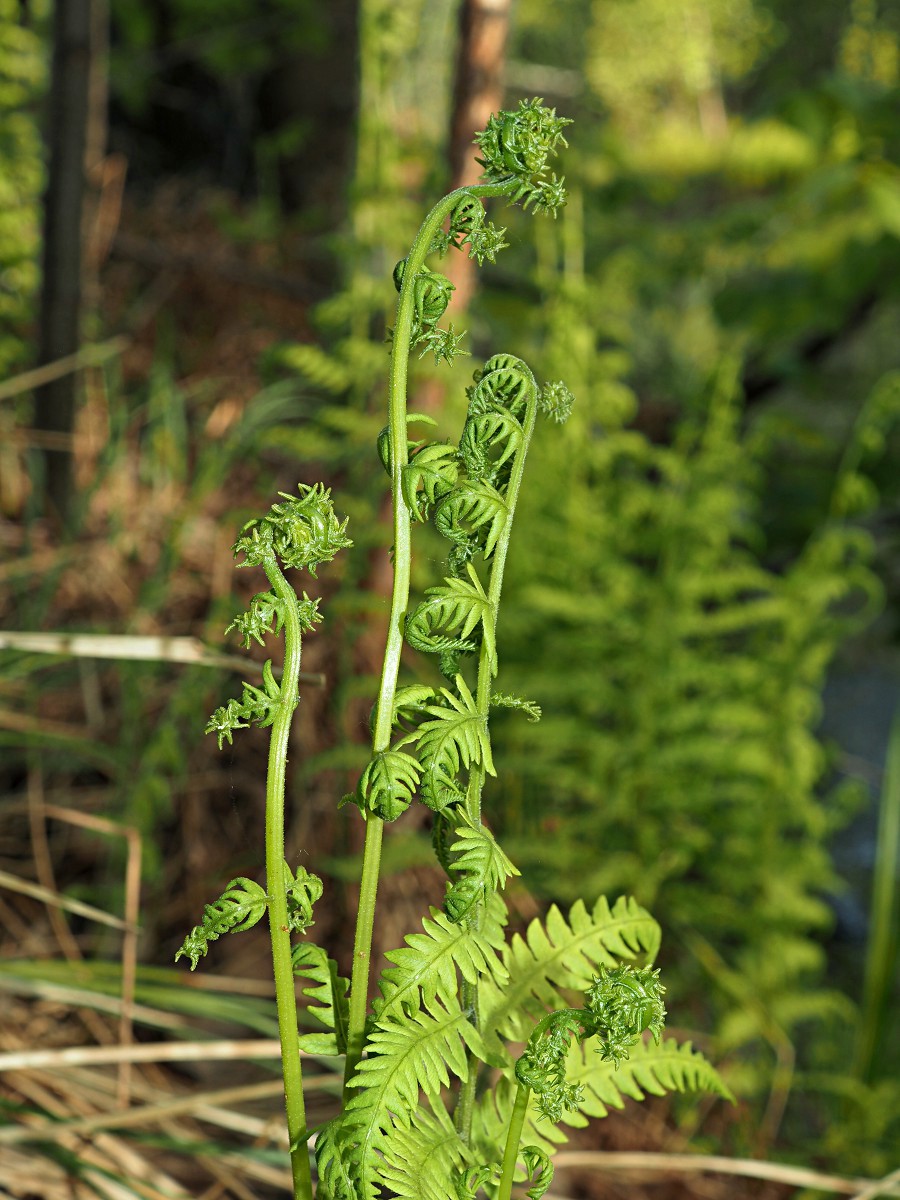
{"points": [[240, 907], [428, 968], [420, 1162], [561, 956], [451, 614], [455, 738], [328, 997], [482, 866]]}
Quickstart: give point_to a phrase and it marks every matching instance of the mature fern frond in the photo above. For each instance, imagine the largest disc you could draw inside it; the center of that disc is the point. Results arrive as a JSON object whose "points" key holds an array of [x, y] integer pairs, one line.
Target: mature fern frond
{"points": [[425, 969], [454, 739], [328, 995], [482, 866], [337, 1162], [475, 507], [563, 954], [657, 1069], [418, 1054], [450, 615], [420, 1162]]}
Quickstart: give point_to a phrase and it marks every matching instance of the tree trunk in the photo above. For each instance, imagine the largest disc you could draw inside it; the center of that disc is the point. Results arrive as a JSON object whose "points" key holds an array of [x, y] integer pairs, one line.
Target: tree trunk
{"points": [[60, 313], [477, 92]]}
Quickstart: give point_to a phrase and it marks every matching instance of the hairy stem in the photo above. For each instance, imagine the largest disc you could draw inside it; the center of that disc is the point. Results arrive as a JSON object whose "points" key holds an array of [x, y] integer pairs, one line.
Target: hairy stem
{"points": [[384, 711], [513, 1137], [279, 927], [465, 1106]]}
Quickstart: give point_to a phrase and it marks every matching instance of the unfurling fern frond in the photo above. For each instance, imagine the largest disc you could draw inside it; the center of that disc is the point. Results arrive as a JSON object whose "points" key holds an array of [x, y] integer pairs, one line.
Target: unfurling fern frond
{"points": [[563, 955], [482, 867], [434, 469], [328, 996], [488, 441], [302, 890], [420, 1161], [455, 738], [387, 785], [446, 620], [505, 382], [473, 509], [531, 710], [427, 968], [241, 906], [418, 1054]]}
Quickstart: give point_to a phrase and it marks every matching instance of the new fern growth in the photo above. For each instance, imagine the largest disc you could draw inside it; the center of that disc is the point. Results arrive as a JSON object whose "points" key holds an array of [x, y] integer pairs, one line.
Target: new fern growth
{"points": [[436, 1106]]}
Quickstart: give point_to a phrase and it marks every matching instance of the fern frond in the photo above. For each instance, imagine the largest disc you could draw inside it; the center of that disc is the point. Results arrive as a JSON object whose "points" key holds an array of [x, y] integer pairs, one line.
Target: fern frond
{"points": [[531, 710], [388, 784], [434, 469], [425, 969], [649, 1068], [564, 955], [420, 1162], [455, 738], [450, 615], [496, 430], [240, 906], [418, 1054], [328, 995], [337, 1163], [473, 507], [482, 865]]}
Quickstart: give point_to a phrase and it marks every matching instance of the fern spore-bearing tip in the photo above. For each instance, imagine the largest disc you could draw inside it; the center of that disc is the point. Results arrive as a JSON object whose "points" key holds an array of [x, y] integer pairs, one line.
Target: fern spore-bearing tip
{"points": [[518, 145]]}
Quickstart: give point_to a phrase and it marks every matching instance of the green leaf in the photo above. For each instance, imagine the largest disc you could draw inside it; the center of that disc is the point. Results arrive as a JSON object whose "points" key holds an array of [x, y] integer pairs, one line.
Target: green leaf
{"points": [[388, 784], [456, 738], [420, 1160], [240, 906], [434, 469], [302, 889], [474, 506], [560, 955], [426, 969], [449, 616], [482, 865], [328, 996]]}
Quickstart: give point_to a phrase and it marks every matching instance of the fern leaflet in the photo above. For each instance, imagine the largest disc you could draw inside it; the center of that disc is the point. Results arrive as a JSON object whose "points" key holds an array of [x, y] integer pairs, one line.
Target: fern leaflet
{"points": [[483, 866]]}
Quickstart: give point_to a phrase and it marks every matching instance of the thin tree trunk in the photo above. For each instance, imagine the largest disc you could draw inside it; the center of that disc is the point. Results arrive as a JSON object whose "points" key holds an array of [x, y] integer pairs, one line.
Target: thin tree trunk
{"points": [[61, 300], [477, 92]]}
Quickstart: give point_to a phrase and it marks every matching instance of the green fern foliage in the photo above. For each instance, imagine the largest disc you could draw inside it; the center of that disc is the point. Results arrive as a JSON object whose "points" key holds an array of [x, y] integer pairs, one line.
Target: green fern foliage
{"points": [[240, 907], [327, 995], [421, 1161]]}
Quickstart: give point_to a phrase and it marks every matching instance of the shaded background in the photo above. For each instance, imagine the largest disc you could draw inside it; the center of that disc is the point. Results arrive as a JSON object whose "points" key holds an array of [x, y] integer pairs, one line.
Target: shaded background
{"points": [[201, 208]]}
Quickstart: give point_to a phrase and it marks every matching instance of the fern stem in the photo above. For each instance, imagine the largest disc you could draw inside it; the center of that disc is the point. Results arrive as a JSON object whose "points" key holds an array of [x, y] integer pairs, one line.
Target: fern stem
{"points": [[285, 996], [384, 711], [465, 1106], [513, 1137]]}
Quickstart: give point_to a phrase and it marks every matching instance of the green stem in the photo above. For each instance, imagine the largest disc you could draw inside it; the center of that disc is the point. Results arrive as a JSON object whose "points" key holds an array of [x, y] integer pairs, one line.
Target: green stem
{"points": [[465, 1106], [384, 711], [279, 927], [513, 1137]]}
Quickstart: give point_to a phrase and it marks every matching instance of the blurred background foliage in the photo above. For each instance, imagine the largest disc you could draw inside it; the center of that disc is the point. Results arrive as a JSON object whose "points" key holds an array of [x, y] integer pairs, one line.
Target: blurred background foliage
{"points": [[708, 558]]}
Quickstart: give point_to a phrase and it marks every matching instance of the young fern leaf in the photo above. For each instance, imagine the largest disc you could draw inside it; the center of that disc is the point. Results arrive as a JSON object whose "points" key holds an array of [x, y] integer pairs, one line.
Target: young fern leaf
{"points": [[446, 620], [434, 469], [419, 1053], [387, 785], [328, 994], [302, 890], [561, 955], [540, 1171], [420, 1161], [240, 907], [427, 968], [473, 508], [483, 868], [495, 430], [531, 710], [456, 738]]}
